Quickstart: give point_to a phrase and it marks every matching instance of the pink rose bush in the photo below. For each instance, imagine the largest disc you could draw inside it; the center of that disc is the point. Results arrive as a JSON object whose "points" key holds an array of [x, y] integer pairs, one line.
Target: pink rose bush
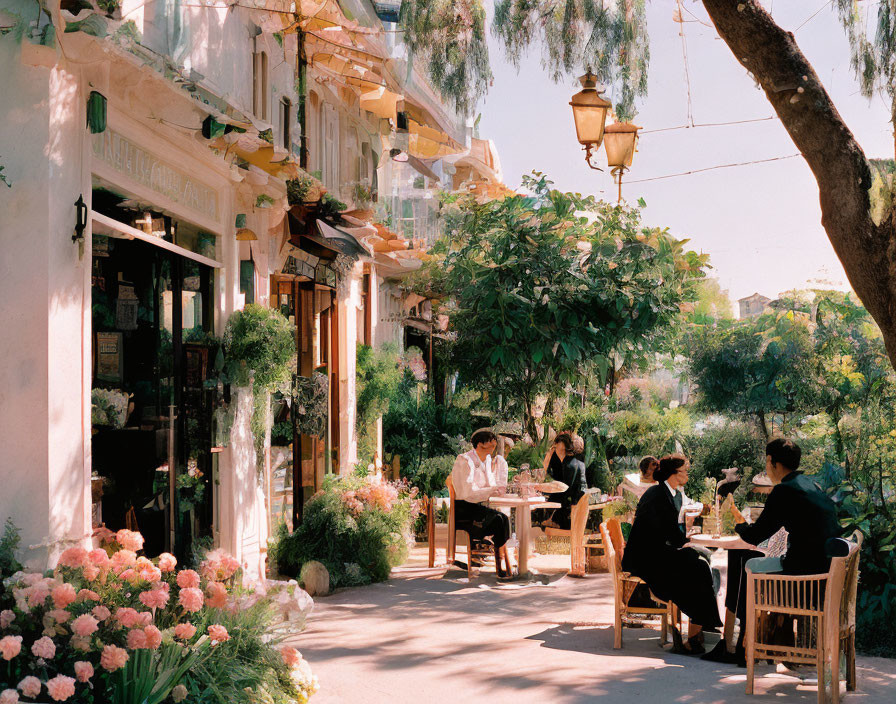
{"points": [[105, 618]]}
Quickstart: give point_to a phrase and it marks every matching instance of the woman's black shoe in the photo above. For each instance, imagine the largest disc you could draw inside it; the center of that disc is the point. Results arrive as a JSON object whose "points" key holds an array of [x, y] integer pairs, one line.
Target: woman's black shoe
{"points": [[720, 654]]}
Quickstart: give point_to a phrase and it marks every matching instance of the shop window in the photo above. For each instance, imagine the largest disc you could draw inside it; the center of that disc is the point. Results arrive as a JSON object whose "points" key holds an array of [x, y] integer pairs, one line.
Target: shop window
{"points": [[285, 122], [247, 280], [260, 84]]}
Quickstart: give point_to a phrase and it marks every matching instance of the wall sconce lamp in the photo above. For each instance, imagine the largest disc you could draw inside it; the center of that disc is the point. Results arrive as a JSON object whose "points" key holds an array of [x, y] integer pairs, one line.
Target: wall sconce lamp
{"points": [[80, 219]]}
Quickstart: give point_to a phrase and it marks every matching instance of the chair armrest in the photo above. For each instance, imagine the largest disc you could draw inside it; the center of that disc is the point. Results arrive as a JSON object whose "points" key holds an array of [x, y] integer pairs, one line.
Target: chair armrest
{"points": [[787, 593]]}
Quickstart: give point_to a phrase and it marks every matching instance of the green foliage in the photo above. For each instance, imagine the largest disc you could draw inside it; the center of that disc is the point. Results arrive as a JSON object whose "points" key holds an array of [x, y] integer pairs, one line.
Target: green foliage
{"points": [[244, 666], [542, 293], [717, 447], [150, 675], [330, 207], [608, 37], [450, 36], [416, 427], [522, 453], [756, 368], [431, 475], [9, 545], [297, 189], [259, 341], [378, 377], [649, 430], [4, 178], [357, 529]]}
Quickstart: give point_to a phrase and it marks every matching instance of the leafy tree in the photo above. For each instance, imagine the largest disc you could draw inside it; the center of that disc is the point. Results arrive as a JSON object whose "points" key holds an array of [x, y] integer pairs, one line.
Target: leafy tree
{"points": [[549, 286], [378, 376], [756, 368]]}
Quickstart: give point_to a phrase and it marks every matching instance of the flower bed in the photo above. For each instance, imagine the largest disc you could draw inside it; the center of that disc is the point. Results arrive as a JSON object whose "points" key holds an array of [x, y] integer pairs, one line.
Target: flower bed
{"points": [[109, 626], [358, 527]]}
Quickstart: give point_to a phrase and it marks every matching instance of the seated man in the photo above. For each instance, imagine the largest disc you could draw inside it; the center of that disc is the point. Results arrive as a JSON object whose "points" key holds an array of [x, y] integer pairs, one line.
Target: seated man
{"points": [[568, 469], [797, 504], [655, 552], [476, 477], [638, 483]]}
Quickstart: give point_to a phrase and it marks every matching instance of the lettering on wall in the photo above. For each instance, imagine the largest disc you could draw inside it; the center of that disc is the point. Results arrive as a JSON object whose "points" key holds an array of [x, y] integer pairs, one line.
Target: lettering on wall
{"points": [[152, 172]]}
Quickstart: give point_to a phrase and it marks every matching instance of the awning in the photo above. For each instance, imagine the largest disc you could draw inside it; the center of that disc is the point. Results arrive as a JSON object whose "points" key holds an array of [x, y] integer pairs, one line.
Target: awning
{"points": [[421, 167], [104, 225], [346, 242]]}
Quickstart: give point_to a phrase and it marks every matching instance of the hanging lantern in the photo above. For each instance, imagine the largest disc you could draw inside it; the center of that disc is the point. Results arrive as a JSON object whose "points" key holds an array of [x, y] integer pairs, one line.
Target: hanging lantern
{"points": [[96, 112], [621, 143], [589, 110]]}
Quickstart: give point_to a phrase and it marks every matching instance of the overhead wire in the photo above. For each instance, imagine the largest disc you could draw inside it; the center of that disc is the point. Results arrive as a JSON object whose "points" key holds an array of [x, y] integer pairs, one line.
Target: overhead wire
{"points": [[707, 124], [713, 168], [812, 16], [687, 73]]}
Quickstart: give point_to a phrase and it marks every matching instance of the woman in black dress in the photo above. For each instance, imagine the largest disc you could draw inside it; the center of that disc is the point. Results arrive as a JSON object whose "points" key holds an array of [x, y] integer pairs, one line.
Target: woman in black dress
{"points": [[656, 553], [565, 467]]}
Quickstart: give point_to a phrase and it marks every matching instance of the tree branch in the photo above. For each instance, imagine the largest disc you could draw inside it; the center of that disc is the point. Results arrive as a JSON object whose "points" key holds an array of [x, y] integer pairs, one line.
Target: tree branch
{"points": [[771, 55]]}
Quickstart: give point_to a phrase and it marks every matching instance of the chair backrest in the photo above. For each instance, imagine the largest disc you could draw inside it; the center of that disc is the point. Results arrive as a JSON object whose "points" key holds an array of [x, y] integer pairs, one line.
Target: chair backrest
{"points": [[614, 530], [614, 562], [840, 601], [451, 497], [579, 516]]}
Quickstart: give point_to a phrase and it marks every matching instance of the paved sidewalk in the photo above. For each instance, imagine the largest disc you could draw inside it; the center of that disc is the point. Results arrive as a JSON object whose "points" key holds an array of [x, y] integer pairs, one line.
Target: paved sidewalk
{"points": [[431, 637]]}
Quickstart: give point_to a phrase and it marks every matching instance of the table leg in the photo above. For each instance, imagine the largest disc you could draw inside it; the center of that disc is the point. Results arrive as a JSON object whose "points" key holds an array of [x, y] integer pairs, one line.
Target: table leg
{"points": [[523, 522]]}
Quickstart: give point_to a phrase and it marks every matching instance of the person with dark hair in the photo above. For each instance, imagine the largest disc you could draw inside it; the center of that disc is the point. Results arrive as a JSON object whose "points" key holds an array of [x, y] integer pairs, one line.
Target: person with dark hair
{"points": [[656, 553], [571, 471], [477, 475], [637, 484], [797, 504]]}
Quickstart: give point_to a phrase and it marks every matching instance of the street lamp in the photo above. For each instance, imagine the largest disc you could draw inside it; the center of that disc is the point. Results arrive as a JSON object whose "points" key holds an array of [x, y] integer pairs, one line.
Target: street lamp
{"points": [[621, 142], [589, 109]]}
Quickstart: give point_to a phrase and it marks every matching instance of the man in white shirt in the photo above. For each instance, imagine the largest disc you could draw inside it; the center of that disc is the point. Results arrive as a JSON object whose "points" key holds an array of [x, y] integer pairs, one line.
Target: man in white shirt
{"points": [[476, 477]]}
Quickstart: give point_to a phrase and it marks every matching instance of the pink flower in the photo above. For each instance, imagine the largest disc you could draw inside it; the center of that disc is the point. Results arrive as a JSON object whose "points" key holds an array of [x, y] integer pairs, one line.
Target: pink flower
{"points": [[130, 575], [153, 637], [218, 566], [99, 557], [73, 557], [129, 540], [30, 686], [127, 617], [59, 615], [91, 572], [6, 618], [37, 594], [9, 696], [144, 618], [191, 599], [184, 631], [44, 648], [63, 595], [103, 534], [85, 625], [167, 562], [218, 634], [83, 670], [88, 595], [10, 646], [101, 613], [136, 639], [61, 687], [150, 574], [291, 656], [217, 595], [154, 598], [113, 658], [187, 579], [123, 560], [178, 694]]}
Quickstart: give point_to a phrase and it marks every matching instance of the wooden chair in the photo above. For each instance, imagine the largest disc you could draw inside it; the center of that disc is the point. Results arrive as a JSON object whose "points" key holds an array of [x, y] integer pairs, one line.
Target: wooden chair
{"points": [[453, 530], [578, 546], [624, 585], [824, 607]]}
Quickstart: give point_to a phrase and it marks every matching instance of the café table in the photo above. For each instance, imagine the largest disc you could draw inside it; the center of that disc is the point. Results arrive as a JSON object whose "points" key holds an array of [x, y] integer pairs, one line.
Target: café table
{"points": [[523, 521]]}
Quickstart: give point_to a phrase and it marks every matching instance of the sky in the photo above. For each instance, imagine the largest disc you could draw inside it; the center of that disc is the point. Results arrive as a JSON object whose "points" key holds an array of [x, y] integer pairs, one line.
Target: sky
{"points": [[760, 224]]}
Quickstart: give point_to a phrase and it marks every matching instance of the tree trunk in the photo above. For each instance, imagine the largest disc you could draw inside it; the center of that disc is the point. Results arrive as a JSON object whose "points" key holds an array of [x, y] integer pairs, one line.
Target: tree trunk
{"points": [[771, 55], [763, 426]]}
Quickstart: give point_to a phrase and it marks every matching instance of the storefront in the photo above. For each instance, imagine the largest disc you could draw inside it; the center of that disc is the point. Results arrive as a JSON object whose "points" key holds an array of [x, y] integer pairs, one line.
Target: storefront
{"points": [[156, 394]]}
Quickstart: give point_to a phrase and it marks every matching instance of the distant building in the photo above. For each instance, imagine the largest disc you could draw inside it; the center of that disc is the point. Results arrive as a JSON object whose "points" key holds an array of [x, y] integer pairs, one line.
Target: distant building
{"points": [[753, 306]]}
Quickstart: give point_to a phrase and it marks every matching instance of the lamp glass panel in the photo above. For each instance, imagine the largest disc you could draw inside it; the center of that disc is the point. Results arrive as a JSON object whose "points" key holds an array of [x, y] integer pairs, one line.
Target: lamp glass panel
{"points": [[589, 123], [620, 148]]}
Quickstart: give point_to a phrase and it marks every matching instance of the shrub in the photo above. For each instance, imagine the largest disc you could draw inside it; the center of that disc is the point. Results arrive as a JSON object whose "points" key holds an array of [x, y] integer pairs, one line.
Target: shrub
{"points": [[359, 528], [521, 454], [431, 475], [378, 377], [259, 340], [731, 444]]}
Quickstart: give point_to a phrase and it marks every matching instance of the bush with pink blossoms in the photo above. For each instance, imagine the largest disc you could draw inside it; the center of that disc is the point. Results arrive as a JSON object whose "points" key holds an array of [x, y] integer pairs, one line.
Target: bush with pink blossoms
{"points": [[110, 625]]}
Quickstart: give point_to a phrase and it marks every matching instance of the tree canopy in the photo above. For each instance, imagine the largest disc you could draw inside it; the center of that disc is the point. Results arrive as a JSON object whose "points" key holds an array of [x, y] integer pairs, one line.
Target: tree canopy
{"points": [[547, 286]]}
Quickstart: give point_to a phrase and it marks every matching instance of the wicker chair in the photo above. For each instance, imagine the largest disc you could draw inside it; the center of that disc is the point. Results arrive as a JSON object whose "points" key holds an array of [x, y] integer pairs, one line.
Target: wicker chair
{"points": [[624, 585], [823, 606], [578, 546], [453, 530]]}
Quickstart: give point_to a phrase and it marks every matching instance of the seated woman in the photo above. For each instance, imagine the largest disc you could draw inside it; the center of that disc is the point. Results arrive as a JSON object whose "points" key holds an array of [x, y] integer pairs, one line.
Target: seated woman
{"points": [[638, 483], [655, 552], [565, 467], [476, 477]]}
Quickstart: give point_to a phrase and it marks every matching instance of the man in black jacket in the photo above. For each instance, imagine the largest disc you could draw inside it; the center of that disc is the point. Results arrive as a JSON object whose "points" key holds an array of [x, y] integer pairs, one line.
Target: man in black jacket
{"points": [[797, 504], [656, 552]]}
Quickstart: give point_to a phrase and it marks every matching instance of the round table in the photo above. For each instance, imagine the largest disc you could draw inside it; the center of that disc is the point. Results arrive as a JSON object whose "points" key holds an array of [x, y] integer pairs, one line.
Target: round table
{"points": [[523, 520], [725, 542]]}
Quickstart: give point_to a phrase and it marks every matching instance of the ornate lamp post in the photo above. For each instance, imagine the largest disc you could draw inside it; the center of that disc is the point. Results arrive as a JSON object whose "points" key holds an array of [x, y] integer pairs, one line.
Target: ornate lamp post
{"points": [[589, 109], [621, 143]]}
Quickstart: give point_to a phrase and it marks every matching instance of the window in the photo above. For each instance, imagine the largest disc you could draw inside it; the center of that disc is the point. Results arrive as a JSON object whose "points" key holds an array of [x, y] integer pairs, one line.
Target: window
{"points": [[260, 84], [329, 134], [285, 125]]}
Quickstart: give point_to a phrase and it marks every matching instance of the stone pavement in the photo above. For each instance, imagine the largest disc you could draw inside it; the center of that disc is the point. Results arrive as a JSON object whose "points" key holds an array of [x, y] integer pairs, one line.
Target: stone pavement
{"points": [[431, 637]]}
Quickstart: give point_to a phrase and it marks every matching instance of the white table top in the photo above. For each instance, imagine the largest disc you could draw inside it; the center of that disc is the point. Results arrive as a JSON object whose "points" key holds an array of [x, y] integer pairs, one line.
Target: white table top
{"points": [[726, 542], [510, 500]]}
